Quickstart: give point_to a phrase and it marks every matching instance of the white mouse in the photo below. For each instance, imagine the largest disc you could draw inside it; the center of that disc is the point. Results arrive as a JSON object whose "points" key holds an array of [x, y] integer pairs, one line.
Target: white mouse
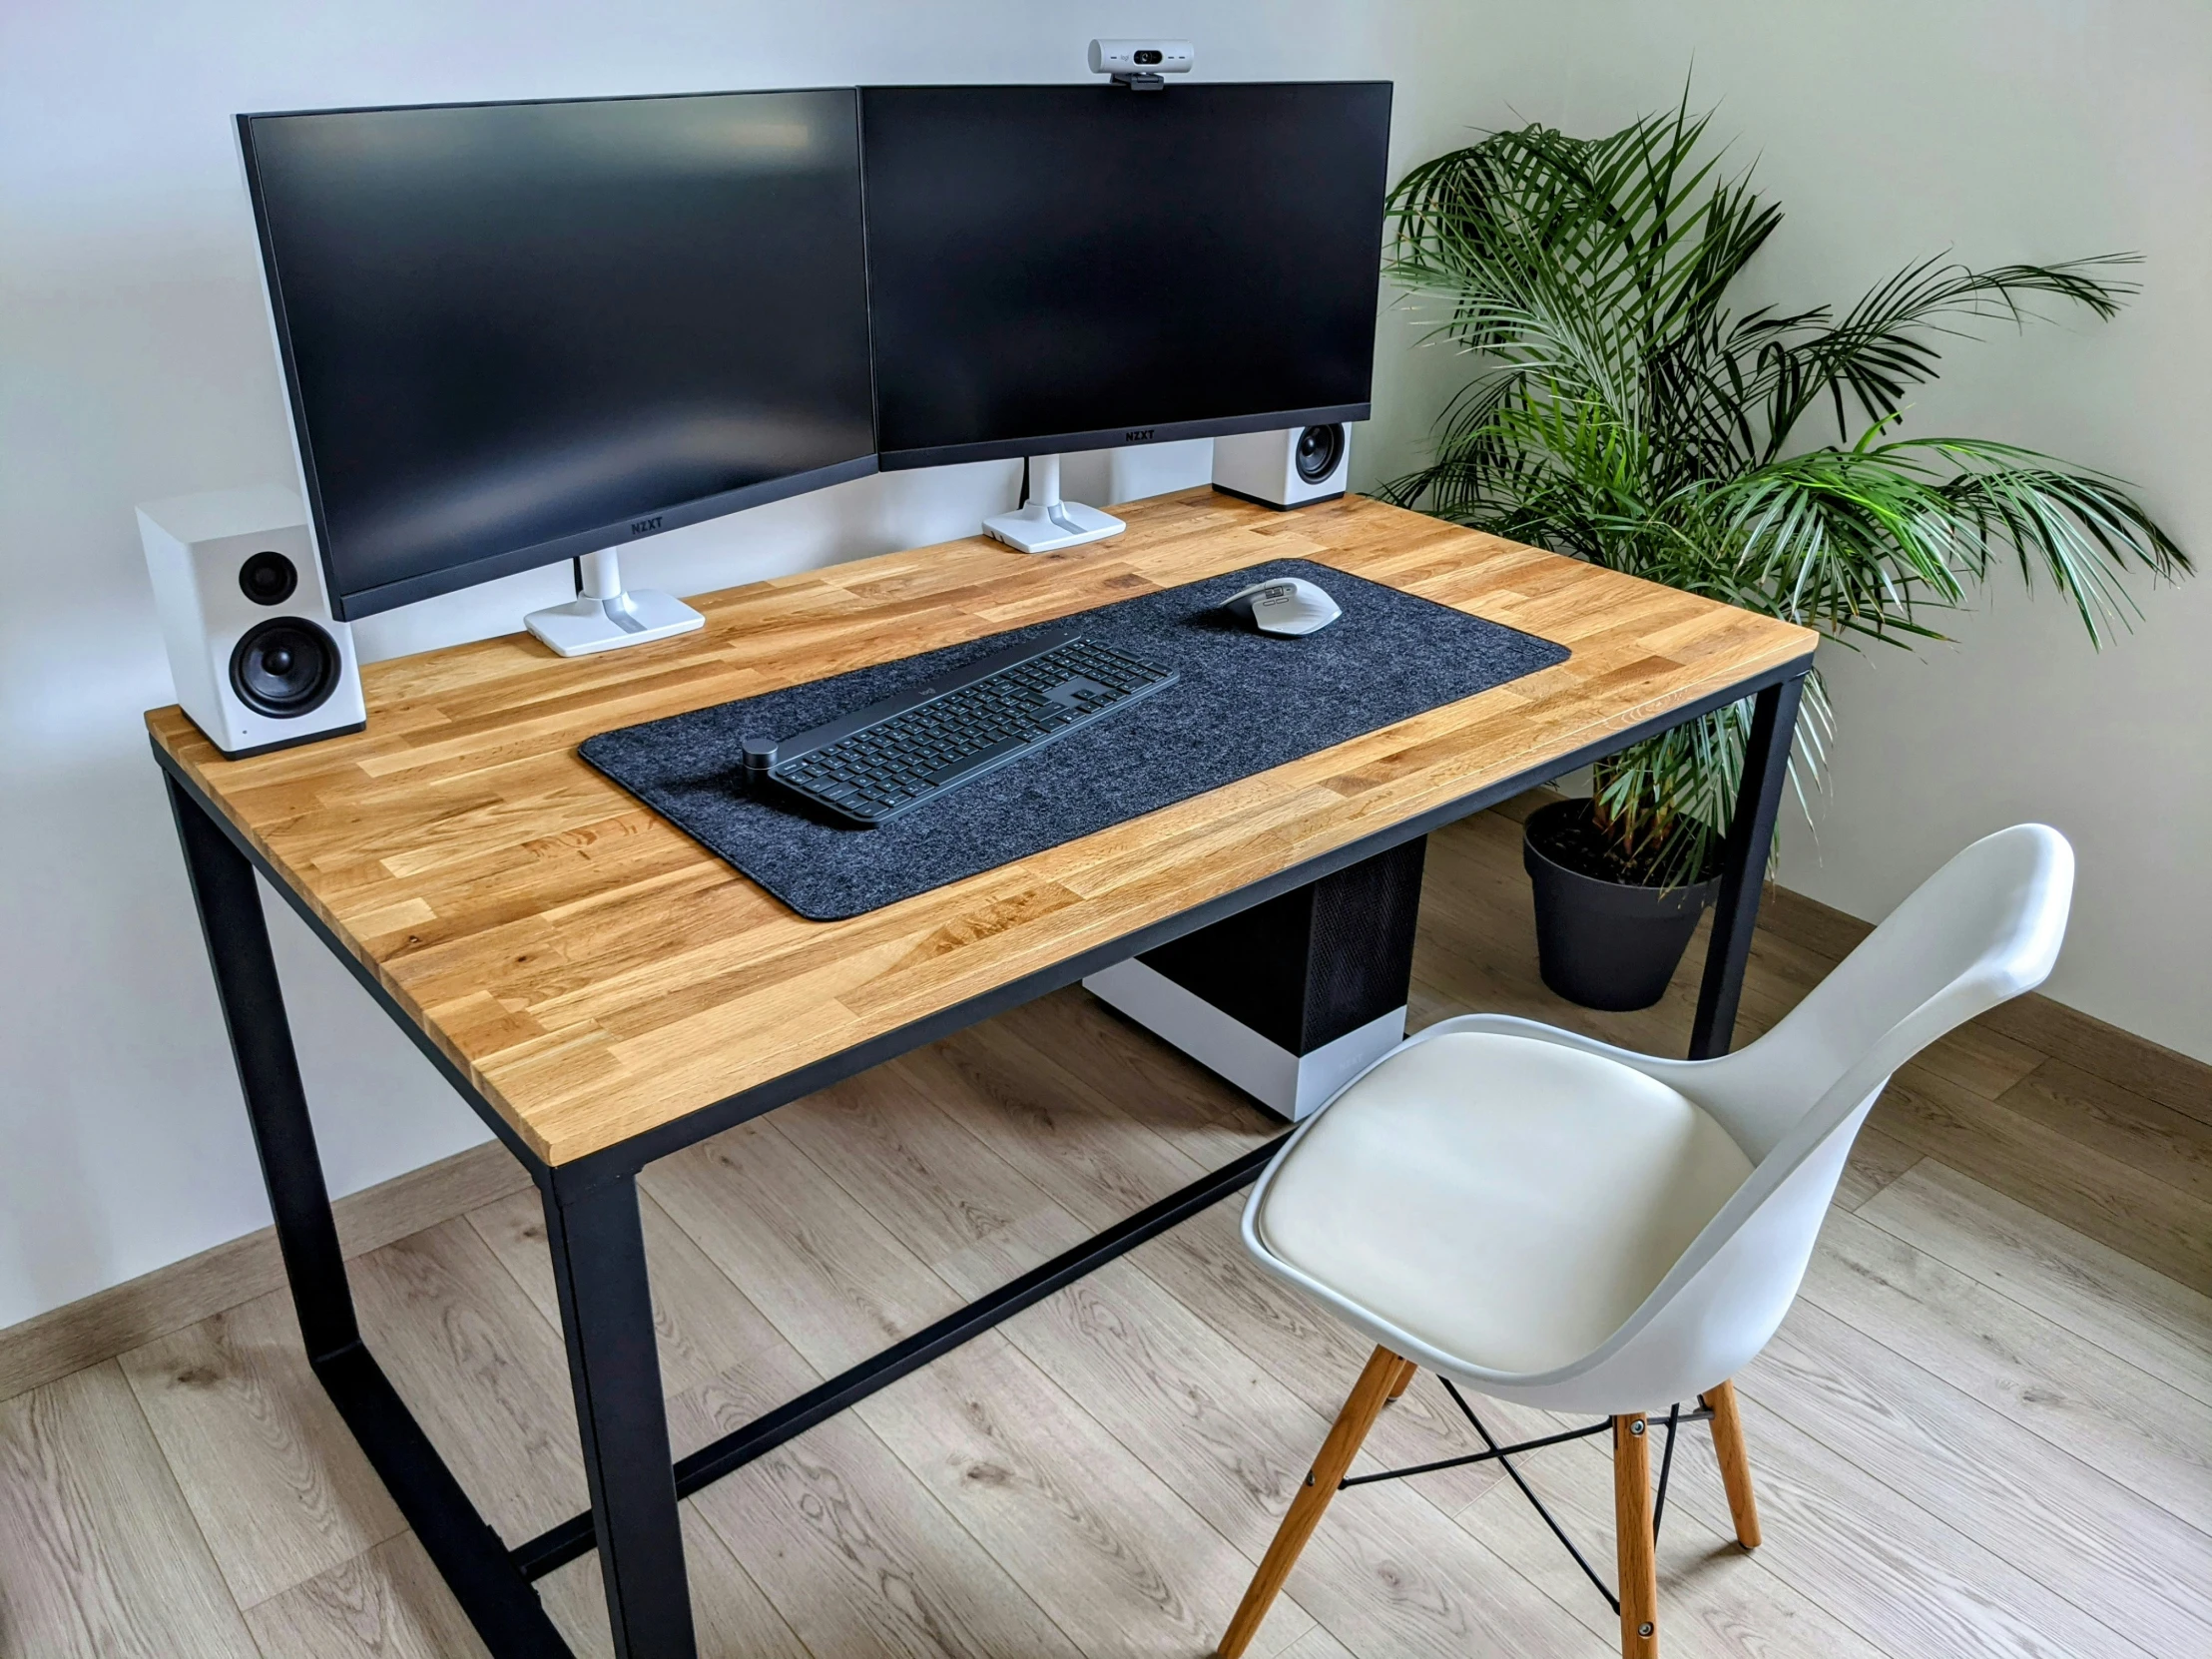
{"points": [[1287, 605]]}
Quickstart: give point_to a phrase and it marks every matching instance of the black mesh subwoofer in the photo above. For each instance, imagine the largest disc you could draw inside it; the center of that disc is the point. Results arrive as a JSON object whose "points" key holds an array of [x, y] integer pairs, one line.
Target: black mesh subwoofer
{"points": [[1320, 449], [284, 668], [1316, 962]]}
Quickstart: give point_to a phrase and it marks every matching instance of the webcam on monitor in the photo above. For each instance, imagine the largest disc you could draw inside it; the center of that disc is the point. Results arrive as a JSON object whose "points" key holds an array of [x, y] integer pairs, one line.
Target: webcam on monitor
{"points": [[1139, 64]]}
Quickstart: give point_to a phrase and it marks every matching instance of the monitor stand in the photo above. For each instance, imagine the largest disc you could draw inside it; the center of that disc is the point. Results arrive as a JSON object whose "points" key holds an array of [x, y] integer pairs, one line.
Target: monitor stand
{"points": [[605, 618], [1047, 524]]}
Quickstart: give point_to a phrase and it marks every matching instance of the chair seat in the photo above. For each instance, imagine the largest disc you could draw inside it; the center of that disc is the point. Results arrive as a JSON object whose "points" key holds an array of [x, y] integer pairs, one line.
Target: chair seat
{"points": [[1504, 1200]]}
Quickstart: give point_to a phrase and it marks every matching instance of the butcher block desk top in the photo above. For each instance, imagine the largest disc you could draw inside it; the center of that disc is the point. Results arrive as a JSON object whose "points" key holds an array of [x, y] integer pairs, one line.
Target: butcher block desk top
{"points": [[597, 974]]}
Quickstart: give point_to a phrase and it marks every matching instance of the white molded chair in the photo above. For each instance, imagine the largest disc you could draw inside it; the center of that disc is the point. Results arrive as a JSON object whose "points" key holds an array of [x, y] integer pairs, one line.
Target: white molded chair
{"points": [[1571, 1226]]}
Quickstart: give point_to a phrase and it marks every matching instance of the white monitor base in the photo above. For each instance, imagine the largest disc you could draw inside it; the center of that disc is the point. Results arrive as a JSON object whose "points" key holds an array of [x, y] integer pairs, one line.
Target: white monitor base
{"points": [[584, 626], [1048, 524], [1037, 528], [606, 617]]}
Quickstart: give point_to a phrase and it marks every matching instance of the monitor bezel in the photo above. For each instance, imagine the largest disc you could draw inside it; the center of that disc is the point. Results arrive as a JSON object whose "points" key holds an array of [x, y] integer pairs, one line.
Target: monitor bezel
{"points": [[1117, 437], [352, 606], [1121, 438]]}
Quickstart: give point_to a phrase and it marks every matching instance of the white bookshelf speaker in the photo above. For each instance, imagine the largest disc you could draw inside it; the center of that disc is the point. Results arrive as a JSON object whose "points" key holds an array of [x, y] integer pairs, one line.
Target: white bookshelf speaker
{"points": [[259, 662], [1294, 467]]}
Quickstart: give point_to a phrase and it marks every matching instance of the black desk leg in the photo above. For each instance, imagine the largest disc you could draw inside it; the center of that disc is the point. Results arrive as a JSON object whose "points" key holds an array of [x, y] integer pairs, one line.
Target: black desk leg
{"points": [[1750, 839], [598, 1248], [269, 1075], [468, 1553]]}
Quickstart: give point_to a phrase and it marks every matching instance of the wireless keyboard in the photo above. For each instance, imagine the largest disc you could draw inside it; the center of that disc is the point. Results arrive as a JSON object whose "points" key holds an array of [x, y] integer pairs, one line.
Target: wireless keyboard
{"points": [[876, 763]]}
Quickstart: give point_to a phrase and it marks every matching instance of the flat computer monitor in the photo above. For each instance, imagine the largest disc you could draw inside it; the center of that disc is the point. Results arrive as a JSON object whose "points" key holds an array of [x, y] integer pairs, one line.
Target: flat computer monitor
{"points": [[513, 332], [1060, 268]]}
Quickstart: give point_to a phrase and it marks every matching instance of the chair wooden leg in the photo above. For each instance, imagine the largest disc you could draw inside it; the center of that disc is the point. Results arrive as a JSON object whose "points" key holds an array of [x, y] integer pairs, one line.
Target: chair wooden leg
{"points": [[1384, 1372], [1632, 1521], [1728, 1446], [1408, 1371]]}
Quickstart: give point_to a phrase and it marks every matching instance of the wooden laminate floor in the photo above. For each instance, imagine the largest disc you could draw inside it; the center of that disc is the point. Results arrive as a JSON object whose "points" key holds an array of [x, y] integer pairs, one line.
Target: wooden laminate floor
{"points": [[1985, 1428]]}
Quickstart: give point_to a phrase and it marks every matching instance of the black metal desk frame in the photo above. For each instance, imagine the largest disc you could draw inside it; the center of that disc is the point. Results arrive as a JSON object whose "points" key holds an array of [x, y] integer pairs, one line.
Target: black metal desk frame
{"points": [[598, 1249]]}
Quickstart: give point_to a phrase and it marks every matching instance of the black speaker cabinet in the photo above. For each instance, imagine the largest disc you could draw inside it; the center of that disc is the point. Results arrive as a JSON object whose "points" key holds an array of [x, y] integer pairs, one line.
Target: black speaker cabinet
{"points": [[1293, 998]]}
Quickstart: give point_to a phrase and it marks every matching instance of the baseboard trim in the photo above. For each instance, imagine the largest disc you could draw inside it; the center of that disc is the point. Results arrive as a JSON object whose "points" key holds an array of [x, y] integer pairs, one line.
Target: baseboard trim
{"points": [[99, 1326]]}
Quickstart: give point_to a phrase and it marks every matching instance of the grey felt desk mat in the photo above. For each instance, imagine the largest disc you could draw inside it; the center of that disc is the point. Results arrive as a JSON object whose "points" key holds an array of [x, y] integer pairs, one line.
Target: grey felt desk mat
{"points": [[1246, 702]]}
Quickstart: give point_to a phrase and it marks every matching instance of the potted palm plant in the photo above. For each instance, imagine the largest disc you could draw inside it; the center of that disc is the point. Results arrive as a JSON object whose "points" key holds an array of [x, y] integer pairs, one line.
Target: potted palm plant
{"points": [[1621, 410]]}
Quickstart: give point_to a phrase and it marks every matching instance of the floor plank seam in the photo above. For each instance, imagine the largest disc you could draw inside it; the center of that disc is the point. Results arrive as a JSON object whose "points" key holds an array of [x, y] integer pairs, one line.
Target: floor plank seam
{"points": [[1748, 1385]]}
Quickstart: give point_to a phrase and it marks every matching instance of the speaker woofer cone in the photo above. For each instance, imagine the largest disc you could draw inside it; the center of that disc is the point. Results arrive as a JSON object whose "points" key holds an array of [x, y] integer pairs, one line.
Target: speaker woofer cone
{"points": [[1320, 449], [284, 668]]}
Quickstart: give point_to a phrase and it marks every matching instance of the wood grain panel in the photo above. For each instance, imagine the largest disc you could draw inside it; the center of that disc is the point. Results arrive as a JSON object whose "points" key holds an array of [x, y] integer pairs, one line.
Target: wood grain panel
{"points": [[888, 1138], [1111, 1553], [1875, 1160], [2093, 1290], [596, 974], [2114, 1555], [1873, 1559], [2113, 1202], [705, 1326], [2166, 1145], [98, 1553], [386, 1604], [483, 1373], [832, 1278], [864, 1564], [2151, 1438], [279, 1489]]}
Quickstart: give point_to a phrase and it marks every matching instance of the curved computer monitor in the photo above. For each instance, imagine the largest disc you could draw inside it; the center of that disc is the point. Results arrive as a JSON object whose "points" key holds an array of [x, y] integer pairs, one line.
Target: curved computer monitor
{"points": [[513, 332], [1060, 268]]}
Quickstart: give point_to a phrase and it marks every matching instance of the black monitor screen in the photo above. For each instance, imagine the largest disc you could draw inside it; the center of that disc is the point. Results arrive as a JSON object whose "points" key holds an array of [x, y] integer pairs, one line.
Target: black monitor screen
{"points": [[518, 332], [1070, 267]]}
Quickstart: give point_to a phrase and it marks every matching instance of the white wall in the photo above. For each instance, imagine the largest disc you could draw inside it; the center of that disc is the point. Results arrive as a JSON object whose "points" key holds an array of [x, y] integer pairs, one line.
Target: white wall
{"points": [[2002, 130], [134, 363]]}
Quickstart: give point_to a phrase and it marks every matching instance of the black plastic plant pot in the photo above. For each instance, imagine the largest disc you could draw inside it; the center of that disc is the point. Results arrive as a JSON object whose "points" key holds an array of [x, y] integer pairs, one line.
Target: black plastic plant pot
{"points": [[1604, 944]]}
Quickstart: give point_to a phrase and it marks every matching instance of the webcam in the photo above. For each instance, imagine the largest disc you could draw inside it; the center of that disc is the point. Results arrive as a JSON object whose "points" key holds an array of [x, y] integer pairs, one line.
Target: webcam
{"points": [[1139, 64]]}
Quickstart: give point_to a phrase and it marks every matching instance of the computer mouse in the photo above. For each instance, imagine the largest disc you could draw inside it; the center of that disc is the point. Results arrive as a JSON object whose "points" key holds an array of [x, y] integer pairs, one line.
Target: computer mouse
{"points": [[1285, 605]]}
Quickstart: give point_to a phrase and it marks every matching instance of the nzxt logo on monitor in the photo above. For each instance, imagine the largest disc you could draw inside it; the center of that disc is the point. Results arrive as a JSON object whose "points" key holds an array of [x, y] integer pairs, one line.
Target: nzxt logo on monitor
{"points": [[1142, 434], [638, 526]]}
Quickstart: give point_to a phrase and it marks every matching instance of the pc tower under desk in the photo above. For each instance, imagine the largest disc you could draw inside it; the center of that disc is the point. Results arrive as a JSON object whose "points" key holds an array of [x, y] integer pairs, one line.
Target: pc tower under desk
{"points": [[1293, 998]]}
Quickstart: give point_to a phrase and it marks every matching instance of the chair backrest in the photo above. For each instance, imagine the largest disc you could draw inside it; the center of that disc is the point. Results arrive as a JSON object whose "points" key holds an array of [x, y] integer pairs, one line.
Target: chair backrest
{"points": [[1980, 932], [1982, 929]]}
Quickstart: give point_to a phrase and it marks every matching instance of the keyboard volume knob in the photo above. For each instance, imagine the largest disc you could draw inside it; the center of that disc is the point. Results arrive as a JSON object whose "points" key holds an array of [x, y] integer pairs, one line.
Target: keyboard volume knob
{"points": [[759, 754]]}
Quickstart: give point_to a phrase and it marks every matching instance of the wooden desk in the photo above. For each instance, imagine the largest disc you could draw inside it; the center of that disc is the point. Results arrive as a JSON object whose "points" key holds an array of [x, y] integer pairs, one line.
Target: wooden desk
{"points": [[603, 990]]}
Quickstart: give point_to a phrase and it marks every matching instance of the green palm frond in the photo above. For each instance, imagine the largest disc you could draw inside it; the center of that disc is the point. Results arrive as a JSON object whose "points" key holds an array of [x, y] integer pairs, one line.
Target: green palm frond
{"points": [[1620, 410]]}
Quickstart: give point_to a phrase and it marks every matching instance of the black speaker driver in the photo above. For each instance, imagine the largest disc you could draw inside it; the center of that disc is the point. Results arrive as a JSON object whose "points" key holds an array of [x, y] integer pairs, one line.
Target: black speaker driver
{"points": [[1319, 448], [284, 668], [268, 578]]}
